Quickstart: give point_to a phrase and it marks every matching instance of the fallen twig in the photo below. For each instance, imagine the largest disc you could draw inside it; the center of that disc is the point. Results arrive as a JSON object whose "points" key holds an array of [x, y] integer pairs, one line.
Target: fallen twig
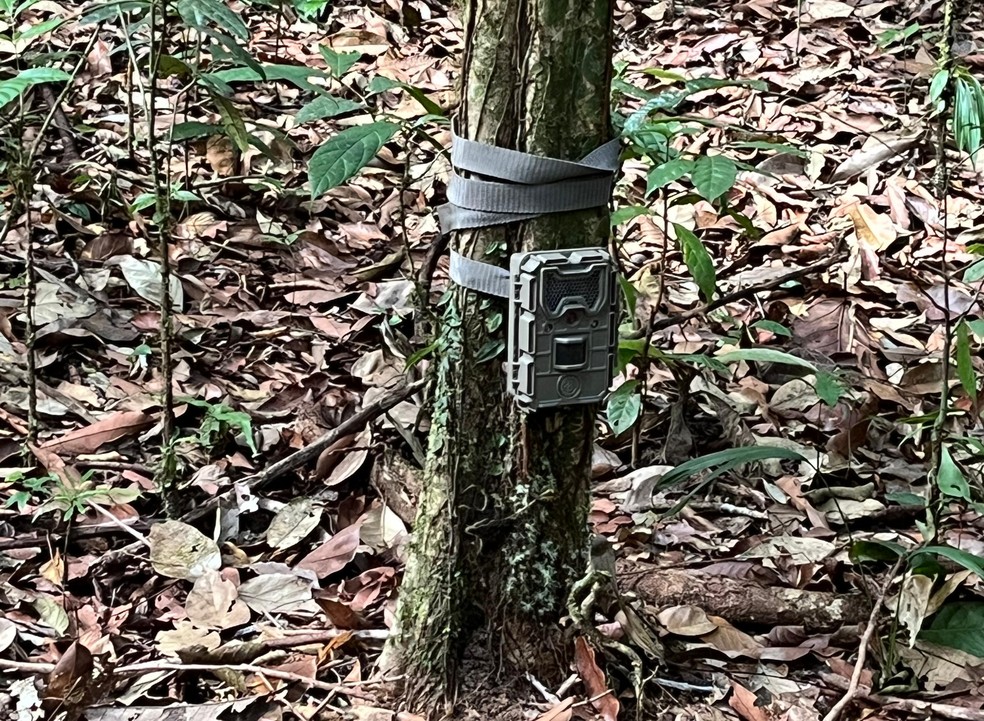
{"points": [[740, 294], [313, 450], [139, 669], [910, 705], [356, 422], [852, 687]]}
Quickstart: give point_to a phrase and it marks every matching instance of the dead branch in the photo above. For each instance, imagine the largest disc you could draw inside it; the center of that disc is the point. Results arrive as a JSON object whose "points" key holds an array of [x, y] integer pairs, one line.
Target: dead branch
{"points": [[743, 602], [852, 687], [924, 709]]}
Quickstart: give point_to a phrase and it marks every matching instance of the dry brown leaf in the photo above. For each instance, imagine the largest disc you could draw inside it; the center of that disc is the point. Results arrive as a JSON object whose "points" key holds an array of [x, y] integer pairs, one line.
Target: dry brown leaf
{"points": [[593, 677], [68, 682], [745, 703], [95, 436], [333, 555], [560, 712], [214, 602], [875, 230], [686, 621], [178, 550], [292, 523]]}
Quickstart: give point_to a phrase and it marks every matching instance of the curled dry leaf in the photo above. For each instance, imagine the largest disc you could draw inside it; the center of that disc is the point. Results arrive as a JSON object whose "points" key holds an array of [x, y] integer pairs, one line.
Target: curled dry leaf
{"points": [[686, 621], [276, 593], [93, 437], [69, 680], [186, 635], [214, 603], [178, 550], [333, 555], [382, 528], [593, 678], [292, 523]]}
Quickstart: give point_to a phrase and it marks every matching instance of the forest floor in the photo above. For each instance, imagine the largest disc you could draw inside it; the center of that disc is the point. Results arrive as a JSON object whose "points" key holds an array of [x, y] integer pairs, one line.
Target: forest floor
{"points": [[842, 281]]}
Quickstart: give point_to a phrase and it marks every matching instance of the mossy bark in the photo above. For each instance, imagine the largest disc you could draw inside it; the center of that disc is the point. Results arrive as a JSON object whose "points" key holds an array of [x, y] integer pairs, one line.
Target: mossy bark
{"points": [[501, 528]]}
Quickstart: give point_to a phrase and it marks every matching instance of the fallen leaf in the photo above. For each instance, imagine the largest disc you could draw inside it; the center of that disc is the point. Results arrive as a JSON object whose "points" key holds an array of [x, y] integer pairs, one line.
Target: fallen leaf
{"points": [[69, 680], [92, 437], [593, 677], [276, 593], [178, 550], [292, 523], [333, 555], [214, 602], [560, 712], [144, 276], [745, 703], [185, 635], [686, 621], [382, 528]]}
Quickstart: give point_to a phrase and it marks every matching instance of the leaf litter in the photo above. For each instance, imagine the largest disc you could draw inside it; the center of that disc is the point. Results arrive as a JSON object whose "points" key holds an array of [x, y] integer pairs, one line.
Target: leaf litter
{"points": [[292, 308]]}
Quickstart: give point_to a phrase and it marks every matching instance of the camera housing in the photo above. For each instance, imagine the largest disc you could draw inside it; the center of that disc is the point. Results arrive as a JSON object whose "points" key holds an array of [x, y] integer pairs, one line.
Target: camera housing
{"points": [[562, 327]]}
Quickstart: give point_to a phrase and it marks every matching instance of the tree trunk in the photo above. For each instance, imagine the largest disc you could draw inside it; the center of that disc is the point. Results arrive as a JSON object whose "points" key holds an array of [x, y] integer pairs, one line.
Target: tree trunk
{"points": [[501, 527]]}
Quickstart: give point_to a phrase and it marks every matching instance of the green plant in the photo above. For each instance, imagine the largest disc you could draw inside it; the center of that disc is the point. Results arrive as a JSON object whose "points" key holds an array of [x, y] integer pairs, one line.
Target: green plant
{"points": [[219, 420], [57, 494]]}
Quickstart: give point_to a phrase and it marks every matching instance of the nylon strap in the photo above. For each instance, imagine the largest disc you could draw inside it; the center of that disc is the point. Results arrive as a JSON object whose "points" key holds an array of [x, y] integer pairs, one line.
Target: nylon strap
{"points": [[516, 186]]}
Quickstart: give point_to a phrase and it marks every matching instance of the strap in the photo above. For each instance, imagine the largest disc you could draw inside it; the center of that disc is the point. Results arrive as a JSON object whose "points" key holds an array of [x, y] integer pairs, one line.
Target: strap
{"points": [[533, 185], [476, 275], [516, 186]]}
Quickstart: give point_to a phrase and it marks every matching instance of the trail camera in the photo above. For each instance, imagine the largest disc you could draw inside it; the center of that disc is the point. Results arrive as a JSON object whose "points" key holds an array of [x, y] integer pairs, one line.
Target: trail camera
{"points": [[562, 327]]}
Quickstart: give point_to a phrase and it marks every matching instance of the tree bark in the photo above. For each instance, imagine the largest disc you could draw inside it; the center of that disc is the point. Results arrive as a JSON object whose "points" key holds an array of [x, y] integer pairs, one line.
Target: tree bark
{"points": [[500, 533]]}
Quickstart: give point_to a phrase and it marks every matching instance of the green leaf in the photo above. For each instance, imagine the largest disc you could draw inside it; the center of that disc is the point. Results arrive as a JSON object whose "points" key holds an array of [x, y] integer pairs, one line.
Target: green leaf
{"points": [[905, 498], [829, 387], [666, 173], [168, 66], [429, 106], [40, 29], [296, 75], [325, 106], [765, 355], [698, 261], [346, 154], [380, 84], [773, 327], [627, 213], [233, 122], [198, 13], [873, 550], [950, 478], [624, 407], [726, 460], [142, 202], [630, 293], [938, 85], [192, 130], [112, 10], [958, 625], [338, 63], [11, 88], [965, 362], [963, 558], [974, 272], [714, 175], [237, 53]]}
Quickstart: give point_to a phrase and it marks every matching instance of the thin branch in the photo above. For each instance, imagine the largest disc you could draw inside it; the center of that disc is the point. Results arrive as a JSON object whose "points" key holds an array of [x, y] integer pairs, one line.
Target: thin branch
{"points": [[852, 687], [740, 294]]}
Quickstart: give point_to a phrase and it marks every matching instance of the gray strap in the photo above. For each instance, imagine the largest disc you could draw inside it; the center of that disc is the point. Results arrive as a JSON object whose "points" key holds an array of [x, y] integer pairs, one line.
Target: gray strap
{"points": [[516, 186], [483, 277], [533, 185]]}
